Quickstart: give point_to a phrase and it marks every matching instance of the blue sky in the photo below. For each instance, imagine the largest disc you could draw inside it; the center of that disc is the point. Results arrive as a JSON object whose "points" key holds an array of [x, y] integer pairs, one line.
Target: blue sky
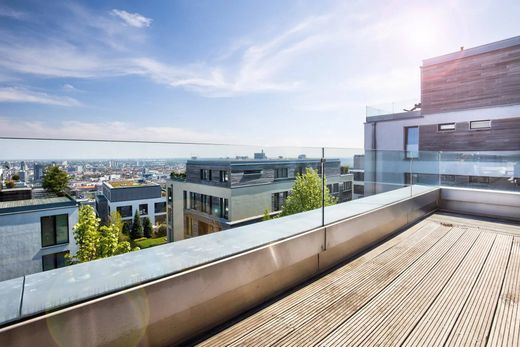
{"points": [[250, 72]]}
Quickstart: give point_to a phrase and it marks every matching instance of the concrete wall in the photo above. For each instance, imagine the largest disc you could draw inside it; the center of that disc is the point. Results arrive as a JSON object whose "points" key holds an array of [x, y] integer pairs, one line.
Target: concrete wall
{"points": [[20, 239]]}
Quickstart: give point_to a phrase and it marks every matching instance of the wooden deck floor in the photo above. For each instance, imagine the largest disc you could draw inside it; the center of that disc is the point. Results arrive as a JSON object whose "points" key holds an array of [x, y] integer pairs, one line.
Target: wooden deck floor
{"points": [[447, 280]]}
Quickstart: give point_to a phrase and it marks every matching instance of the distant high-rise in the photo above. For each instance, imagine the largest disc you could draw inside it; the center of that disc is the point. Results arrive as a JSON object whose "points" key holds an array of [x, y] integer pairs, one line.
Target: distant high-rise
{"points": [[38, 172]]}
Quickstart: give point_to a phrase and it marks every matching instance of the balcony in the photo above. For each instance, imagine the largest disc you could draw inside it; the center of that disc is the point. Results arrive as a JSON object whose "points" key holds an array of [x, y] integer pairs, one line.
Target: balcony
{"points": [[414, 263]]}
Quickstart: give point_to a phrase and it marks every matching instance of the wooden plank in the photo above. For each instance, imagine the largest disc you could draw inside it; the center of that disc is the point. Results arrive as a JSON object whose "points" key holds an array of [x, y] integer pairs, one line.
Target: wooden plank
{"points": [[381, 321], [473, 325], [438, 321], [369, 262], [327, 322], [506, 324]]}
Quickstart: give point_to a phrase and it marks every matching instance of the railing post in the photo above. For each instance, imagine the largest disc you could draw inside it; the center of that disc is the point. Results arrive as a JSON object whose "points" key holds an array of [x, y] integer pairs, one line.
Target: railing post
{"points": [[323, 186]]}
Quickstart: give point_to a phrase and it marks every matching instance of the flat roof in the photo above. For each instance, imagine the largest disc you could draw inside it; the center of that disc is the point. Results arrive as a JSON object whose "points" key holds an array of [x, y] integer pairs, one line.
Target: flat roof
{"points": [[128, 184], [489, 47], [226, 161], [40, 200], [394, 116]]}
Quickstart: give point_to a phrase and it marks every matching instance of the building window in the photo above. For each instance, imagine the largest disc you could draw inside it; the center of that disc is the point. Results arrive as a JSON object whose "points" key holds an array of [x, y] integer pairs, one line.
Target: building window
{"points": [[224, 208], [411, 140], [480, 124], [359, 189], [446, 127], [479, 179], [205, 175], [347, 186], [125, 211], [359, 176], [223, 176], [185, 199], [54, 261], [410, 179], [143, 209], [335, 188], [160, 207], [170, 195], [278, 200], [447, 178], [55, 230], [252, 172], [188, 227], [281, 173]]}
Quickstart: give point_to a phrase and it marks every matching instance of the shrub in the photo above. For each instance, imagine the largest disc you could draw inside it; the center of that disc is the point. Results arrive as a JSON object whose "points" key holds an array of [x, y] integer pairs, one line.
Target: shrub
{"points": [[162, 230]]}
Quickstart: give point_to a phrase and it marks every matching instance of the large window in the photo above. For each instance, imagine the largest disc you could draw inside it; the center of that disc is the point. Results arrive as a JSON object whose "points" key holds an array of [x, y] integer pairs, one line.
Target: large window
{"points": [[223, 176], [281, 173], [143, 209], [335, 188], [278, 200], [347, 186], [359, 189], [160, 207], [55, 230], [411, 138], [224, 208], [54, 261], [170, 194], [359, 176], [205, 174], [125, 211]]}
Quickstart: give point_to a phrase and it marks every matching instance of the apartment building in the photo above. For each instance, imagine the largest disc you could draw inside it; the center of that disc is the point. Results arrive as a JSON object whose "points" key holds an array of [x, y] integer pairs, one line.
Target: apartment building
{"points": [[358, 173], [35, 231], [469, 112], [221, 194], [127, 197]]}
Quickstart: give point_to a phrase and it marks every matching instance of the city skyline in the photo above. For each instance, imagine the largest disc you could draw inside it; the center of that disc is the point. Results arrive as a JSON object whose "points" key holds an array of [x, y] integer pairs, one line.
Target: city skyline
{"points": [[114, 70]]}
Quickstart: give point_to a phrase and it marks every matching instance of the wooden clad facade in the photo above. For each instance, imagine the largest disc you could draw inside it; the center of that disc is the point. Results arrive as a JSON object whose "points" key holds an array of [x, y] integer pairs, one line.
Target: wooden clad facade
{"points": [[481, 80], [503, 135]]}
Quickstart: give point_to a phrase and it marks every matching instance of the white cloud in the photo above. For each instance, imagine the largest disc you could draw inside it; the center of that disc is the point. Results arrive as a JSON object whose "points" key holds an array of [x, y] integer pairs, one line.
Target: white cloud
{"points": [[21, 95], [11, 13], [132, 19]]}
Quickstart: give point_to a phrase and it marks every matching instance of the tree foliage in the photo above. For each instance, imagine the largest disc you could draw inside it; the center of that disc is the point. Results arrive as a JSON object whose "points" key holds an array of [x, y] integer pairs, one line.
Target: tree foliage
{"points": [[266, 216], [137, 227], [15, 177], [115, 219], [162, 230], [55, 180], [10, 184], [306, 194], [95, 242], [147, 227]]}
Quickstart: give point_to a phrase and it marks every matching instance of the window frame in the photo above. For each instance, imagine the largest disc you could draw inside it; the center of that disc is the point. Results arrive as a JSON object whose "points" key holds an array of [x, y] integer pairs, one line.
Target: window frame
{"points": [[54, 223], [471, 127], [407, 153], [55, 260], [440, 129]]}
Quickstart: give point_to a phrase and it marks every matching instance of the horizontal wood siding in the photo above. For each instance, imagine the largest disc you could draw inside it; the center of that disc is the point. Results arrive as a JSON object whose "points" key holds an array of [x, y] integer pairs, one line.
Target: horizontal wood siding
{"points": [[484, 80], [504, 135]]}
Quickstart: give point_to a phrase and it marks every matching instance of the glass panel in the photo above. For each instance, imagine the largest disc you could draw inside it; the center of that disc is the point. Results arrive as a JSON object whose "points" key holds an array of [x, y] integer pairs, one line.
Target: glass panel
{"points": [[48, 235], [60, 259], [48, 262], [62, 228], [412, 142]]}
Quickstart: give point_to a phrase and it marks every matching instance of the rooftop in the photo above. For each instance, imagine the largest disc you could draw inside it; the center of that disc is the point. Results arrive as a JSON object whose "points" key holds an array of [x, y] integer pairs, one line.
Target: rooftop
{"points": [[231, 161], [127, 184], [493, 46], [40, 199], [425, 286]]}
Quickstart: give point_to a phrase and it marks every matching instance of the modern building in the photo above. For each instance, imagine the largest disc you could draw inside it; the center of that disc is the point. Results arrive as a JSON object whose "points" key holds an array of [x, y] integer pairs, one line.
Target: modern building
{"points": [[127, 197], [358, 172], [469, 112], [35, 231], [221, 194]]}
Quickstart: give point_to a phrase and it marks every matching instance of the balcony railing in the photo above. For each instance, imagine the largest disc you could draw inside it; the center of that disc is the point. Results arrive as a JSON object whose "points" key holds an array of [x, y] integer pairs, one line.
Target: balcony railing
{"points": [[390, 177]]}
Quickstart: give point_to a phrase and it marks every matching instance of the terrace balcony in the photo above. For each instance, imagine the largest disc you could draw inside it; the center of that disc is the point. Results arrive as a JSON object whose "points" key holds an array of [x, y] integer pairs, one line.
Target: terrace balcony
{"points": [[417, 264]]}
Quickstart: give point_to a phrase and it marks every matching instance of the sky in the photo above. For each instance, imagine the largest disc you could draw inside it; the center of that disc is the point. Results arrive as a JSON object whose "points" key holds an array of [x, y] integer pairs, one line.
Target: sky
{"points": [[267, 73]]}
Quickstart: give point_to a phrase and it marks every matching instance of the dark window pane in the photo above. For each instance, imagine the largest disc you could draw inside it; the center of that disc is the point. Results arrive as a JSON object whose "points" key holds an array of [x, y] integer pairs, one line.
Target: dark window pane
{"points": [[48, 262], [47, 225], [62, 228]]}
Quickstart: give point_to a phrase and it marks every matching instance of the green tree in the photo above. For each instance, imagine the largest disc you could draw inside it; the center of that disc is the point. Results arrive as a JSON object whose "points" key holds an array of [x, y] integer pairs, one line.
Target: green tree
{"points": [[137, 227], [10, 184], [306, 194], [95, 242], [266, 216], [162, 230], [115, 219], [147, 227], [15, 177], [55, 180], [126, 228], [86, 235]]}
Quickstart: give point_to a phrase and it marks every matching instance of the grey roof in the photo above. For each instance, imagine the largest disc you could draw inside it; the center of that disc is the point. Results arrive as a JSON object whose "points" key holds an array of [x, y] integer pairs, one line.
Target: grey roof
{"points": [[36, 203], [229, 162], [489, 47]]}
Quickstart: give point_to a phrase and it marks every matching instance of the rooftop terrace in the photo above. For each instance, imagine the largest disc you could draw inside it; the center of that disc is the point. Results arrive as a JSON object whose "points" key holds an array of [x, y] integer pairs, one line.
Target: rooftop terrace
{"points": [[447, 280]]}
